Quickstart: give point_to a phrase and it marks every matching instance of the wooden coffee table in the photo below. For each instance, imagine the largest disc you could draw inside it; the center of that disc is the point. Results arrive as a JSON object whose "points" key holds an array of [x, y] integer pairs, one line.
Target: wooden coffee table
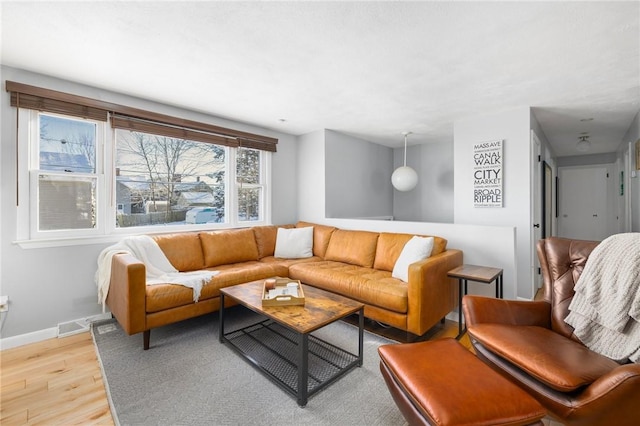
{"points": [[282, 346]]}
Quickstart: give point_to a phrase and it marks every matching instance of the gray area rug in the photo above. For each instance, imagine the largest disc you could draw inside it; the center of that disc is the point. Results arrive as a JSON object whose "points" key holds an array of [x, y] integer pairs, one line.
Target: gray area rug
{"points": [[188, 377]]}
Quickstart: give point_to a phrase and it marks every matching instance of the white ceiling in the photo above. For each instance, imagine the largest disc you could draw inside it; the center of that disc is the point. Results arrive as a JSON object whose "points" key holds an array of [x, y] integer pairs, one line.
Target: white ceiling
{"points": [[368, 69]]}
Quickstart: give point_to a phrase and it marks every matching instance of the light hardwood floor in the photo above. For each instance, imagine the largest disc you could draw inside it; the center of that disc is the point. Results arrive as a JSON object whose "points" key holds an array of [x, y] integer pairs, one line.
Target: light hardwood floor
{"points": [[53, 382]]}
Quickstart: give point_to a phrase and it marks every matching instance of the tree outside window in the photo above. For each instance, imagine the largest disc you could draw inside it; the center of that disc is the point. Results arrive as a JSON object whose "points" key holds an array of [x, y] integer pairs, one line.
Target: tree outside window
{"points": [[164, 180]]}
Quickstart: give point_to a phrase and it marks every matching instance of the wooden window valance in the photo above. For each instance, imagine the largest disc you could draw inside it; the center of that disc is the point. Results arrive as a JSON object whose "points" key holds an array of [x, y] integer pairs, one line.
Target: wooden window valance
{"points": [[32, 97]]}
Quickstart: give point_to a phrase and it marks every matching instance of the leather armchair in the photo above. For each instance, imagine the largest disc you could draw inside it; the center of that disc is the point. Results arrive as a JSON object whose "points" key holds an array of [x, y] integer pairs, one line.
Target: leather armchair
{"points": [[529, 343]]}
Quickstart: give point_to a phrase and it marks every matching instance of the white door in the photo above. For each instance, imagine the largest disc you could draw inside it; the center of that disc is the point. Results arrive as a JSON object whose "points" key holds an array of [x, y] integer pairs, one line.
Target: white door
{"points": [[582, 202]]}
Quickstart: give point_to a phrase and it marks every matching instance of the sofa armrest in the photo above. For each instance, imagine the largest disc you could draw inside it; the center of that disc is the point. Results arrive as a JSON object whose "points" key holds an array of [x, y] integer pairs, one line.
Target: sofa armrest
{"points": [[480, 309], [127, 293], [431, 293]]}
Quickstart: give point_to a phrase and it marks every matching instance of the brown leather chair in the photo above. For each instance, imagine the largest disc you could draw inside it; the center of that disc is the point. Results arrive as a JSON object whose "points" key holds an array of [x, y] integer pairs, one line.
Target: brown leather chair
{"points": [[529, 343]]}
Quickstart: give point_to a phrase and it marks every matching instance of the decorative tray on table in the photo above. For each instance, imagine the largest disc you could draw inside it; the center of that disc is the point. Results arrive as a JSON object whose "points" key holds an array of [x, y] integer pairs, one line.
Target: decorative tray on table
{"points": [[282, 292]]}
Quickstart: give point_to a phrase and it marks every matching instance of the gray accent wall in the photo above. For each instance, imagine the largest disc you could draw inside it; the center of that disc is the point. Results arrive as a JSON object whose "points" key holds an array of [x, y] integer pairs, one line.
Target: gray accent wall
{"points": [[432, 199], [358, 177], [358, 180]]}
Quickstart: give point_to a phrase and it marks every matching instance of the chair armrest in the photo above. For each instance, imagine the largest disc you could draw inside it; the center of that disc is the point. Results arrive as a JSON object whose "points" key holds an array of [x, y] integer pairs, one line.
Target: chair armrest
{"points": [[479, 309], [611, 399], [127, 292], [431, 293]]}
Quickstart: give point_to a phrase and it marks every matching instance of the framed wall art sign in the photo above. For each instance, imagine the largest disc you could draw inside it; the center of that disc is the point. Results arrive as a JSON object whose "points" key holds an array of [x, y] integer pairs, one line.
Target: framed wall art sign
{"points": [[487, 174]]}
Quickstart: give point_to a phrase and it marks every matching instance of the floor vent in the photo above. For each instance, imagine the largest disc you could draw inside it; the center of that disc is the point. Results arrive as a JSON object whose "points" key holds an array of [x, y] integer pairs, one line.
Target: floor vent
{"points": [[72, 327], [79, 325]]}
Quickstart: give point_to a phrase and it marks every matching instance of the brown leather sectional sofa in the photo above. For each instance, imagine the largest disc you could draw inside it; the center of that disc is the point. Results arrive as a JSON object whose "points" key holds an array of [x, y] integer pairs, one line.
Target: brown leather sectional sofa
{"points": [[356, 264]]}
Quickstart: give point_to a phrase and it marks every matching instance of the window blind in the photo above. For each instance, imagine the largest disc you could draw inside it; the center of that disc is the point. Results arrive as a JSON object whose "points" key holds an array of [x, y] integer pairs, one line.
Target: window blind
{"points": [[137, 125], [41, 99], [40, 103]]}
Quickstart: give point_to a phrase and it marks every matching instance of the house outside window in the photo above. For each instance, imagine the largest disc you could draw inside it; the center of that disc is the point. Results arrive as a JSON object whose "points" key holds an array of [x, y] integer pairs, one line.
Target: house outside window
{"points": [[161, 178]]}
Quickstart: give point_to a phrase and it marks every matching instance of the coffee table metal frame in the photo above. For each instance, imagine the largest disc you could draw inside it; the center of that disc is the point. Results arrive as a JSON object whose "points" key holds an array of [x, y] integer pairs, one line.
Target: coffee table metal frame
{"points": [[291, 356]]}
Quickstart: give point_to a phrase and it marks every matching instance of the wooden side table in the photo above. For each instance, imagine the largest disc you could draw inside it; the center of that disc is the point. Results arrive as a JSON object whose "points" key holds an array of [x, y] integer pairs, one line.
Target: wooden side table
{"points": [[482, 274]]}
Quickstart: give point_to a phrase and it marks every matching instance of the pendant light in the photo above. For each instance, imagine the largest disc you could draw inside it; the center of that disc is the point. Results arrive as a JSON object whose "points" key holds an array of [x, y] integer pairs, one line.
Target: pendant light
{"points": [[404, 178], [584, 144]]}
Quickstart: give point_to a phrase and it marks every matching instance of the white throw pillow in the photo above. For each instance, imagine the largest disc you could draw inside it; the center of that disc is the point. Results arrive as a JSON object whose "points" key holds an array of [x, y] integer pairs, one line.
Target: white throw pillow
{"points": [[417, 248], [294, 243]]}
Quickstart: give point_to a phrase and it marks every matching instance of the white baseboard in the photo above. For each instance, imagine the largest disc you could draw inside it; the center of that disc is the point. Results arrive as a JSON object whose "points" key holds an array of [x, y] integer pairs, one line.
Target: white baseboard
{"points": [[48, 333], [27, 338]]}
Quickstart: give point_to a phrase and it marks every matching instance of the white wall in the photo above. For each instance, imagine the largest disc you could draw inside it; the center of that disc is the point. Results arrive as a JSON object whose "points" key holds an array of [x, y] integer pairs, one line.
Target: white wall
{"points": [[48, 286], [513, 127], [311, 176], [357, 177], [432, 199]]}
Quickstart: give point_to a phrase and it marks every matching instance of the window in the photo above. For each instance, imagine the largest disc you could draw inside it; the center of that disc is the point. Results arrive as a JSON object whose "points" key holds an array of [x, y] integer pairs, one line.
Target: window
{"points": [[64, 180], [250, 185], [96, 168], [160, 179]]}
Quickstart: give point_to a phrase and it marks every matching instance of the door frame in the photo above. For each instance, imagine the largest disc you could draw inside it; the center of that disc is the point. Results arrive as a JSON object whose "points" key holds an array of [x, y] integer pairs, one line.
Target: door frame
{"points": [[547, 200], [536, 211]]}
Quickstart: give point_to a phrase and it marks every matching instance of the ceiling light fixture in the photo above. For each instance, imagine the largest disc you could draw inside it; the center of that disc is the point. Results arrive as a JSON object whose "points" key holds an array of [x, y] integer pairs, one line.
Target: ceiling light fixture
{"points": [[583, 144], [404, 178]]}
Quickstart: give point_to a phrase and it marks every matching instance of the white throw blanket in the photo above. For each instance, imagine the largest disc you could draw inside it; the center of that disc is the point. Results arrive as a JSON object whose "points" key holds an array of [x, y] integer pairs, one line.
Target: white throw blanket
{"points": [[158, 268], [605, 311]]}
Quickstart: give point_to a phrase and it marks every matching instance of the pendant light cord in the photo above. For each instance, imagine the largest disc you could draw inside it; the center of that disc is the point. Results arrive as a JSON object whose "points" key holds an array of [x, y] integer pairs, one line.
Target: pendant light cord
{"points": [[405, 150]]}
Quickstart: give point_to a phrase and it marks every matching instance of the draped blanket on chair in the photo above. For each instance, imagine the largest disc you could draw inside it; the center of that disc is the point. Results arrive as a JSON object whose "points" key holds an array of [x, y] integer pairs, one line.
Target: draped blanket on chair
{"points": [[158, 268], [605, 310]]}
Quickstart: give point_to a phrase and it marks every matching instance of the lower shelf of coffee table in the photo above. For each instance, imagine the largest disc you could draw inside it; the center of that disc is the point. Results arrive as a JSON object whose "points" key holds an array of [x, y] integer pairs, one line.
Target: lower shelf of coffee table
{"points": [[274, 350]]}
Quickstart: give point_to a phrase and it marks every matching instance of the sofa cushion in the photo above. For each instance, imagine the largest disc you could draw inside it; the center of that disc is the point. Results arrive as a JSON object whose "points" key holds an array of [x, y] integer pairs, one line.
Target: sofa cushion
{"points": [[294, 243], [563, 364], [160, 297], [266, 238], [389, 247], [416, 249], [354, 247], [289, 262], [239, 273], [367, 285], [183, 250], [439, 244], [321, 236], [233, 246]]}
